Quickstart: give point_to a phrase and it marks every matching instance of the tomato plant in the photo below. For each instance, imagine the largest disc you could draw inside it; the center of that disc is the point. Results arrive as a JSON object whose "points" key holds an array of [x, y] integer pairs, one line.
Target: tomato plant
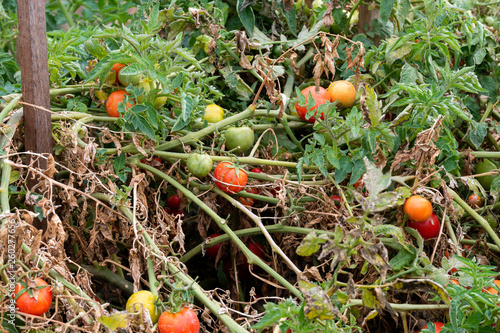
{"points": [[184, 321], [213, 113], [116, 97], [229, 177], [417, 208], [428, 228], [239, 139], [319, 95], [33, 300], [343, 92], [213, 250], [199, 165], [145, 299], [475, 201]]}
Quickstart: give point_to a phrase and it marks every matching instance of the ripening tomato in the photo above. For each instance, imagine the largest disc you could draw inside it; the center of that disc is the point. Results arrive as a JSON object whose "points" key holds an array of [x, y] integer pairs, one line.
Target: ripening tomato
{"points": [[320, 96], [213, 250], [249, 201], [229, 177], [418, 208], [146, 299], [427, 229], [184, 321], [475, 201], [113, 73], [174, 202], [337, 199], [213, 113], [33, 301], [115, 98], [343, 92], [437, 325]]}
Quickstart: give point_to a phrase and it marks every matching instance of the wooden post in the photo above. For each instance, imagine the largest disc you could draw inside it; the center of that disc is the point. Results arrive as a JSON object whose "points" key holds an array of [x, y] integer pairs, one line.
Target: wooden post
{"points": [[33, 60]]}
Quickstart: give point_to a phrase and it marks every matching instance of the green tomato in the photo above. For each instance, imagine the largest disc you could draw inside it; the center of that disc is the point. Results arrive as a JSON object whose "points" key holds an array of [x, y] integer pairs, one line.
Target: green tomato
{"points": [[317, 3], [146, 299], [483, 167], [127, 79], [239, 139], [147, 88], [199, 164], [489, 20], [213, 113]]}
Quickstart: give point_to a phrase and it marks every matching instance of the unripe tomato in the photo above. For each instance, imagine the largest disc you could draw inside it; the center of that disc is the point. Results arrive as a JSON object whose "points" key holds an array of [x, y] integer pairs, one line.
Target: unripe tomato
{"points": [[31, 301], [343, 92], [184, 321], [320, 96], [418, 208], [239, 139], [199, 164], [427, 229], [249, 201], [146, 299], [475, 201], [127, 79], [213, 113], [230, 178], [484, 167], [213, 250], [174, 202]]}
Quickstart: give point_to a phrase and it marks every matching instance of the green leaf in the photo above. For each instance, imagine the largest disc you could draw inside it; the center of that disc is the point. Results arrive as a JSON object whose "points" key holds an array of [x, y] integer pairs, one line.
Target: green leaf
{"points": [[95, 48], [391, 230], [291, 19], [392, 54], [409, 74], [177, 81], [477, 133], [310, 244], [345, 167], [144, 126], [386, 7], [373, 105], [119, 162], [369, 299], [402, 259], [246, 16]]}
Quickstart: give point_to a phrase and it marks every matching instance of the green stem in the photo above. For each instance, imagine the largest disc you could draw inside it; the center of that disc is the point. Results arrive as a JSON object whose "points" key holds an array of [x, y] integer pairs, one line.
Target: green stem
{"points": [[4, 190], [484, 224], [346, 29], [103, 273], [406, 307], [9, 107], [481, 154], [119, 270], [153, 282], [222, 223], [66, 14], [306, 57], [472, 242]]}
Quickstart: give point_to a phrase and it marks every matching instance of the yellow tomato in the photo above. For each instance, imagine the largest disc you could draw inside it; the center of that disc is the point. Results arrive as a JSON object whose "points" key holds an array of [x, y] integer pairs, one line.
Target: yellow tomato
{"points": [[147, 299], [213, 113]]}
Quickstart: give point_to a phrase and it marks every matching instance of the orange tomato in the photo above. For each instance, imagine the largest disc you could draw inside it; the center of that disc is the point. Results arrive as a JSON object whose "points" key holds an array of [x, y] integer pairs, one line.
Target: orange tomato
{"points": [[113, 73], [343, 92], [418, 208], [114, 99], [320, 96], [249, 201]]}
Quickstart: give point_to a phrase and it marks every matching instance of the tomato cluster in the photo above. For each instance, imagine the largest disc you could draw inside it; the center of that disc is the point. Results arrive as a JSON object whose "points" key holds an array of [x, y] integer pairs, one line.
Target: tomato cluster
{"points": [[422, 218], [342, 92]]}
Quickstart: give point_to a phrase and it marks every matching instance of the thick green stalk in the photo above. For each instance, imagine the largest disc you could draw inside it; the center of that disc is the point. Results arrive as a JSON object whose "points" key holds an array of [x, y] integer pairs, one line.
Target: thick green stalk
{"points": [[9, 107], [105, 274], [484, 224], [222, 223], [4, 190], [186, 279], [481, 154], [66, 14]]}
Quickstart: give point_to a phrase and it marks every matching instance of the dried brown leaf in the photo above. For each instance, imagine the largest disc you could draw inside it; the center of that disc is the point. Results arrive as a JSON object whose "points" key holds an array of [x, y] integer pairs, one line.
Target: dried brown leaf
{"points": [[318, 69], [244, 62]]}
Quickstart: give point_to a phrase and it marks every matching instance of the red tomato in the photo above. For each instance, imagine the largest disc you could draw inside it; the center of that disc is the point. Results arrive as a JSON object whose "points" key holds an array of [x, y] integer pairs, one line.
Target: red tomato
{"points": [[230, 178], [337, 199], [184, 321], [249, 201], [320, 96], [437, 325], [213, 250], [427, 229], [174, 202], [360, 187], [418, 208], [36, 305], [257, 170], [475, 201], [257, 249]]}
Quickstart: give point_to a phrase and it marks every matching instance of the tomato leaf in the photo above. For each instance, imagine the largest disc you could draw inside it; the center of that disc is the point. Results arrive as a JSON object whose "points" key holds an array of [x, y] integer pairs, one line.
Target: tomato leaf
{"points": [[246, 15], [114, 321], [318, 303], [311, 244]]}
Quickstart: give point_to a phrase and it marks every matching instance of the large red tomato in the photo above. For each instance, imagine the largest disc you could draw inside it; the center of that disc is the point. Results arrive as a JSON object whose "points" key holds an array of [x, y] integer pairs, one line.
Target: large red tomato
{"points": [[320, 96], [184, 321], [33, 301], [229, 177], [427, 229]]}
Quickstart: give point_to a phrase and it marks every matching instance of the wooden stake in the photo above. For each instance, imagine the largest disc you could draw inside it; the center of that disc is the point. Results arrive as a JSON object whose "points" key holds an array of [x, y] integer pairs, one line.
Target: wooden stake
{"points": [[33, 60]]}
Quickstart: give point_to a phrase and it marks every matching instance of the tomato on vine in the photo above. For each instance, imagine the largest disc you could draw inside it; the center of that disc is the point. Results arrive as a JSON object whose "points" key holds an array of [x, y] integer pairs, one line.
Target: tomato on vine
{"points": [[199, 164], [249, 201], [184, 321], [427, 229], [319, 95], [343, 92], [239, 139], [229, 177], [174, 202], [475, 201], [113, 73], [33, 300], [417, 208], [213, 250], [213, 113], [143, 299]]}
